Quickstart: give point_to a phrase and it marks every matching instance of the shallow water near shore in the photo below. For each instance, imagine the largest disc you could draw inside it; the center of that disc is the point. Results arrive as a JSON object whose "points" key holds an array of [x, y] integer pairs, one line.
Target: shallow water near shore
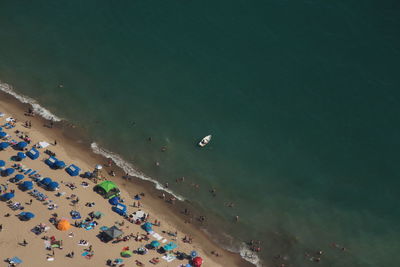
{"points": [[301, 99]]}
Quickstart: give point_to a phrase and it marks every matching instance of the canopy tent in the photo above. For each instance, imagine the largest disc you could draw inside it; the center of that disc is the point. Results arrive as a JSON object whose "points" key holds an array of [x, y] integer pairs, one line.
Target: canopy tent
{"points": [[8, 171], [21, 155], [18, 177], [59, 164], [2, 163], [45, 181], [7, 196], [113, 201], [26, 185], [33, 153], [63, 225], [126, 254], [107, 189], [120, 209], [170, 246], [3, 134], [52, 186], [26, 216], [73, 170], [147, 226], [22, 145], [155, 244], [4, 145], [197, 262], [111, 233], [51, 161]]}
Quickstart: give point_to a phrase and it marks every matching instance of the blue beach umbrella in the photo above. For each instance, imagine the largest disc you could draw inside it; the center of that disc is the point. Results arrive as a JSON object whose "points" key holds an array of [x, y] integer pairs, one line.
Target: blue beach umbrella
{"points": [[4, 145], [8, 171], [59, 164], [21, 155], [46, 181], [155, 244], [3, 134], [26, 185], [147, 227], [7, 196], [18, 177], [26, 216], [2, 163], [52, 186], [22, 145]]}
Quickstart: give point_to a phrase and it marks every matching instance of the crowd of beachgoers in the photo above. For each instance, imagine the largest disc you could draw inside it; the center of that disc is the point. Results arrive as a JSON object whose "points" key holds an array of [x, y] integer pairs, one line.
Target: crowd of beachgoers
{"points": [[53, 213]]}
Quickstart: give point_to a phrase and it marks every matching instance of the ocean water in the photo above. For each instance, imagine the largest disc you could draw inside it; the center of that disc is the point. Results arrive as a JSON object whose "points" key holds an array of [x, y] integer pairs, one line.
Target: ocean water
{"points": [[301, 97]]}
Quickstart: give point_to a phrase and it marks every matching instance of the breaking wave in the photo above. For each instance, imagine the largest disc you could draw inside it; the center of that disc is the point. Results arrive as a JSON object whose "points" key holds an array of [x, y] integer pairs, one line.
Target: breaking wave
{"points": [[37, 108], [129, 169]]}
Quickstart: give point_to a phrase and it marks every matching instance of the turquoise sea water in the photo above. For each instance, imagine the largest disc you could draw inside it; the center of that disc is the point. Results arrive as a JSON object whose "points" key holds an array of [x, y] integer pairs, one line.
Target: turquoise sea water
{"points": [[301, 97]]}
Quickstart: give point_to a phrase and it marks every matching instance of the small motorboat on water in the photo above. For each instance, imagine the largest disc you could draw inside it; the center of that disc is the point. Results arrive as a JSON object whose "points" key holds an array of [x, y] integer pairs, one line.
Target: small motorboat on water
{"points": [[205, 141]]}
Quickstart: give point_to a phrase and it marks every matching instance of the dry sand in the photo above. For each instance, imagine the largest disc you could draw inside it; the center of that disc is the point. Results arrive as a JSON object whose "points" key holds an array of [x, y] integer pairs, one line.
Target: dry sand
{"points": [[34, 254]]}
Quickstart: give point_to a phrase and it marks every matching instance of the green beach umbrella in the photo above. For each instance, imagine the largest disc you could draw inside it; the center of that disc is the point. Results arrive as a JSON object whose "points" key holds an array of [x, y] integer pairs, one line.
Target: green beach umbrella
{"points": [[126, 254]]}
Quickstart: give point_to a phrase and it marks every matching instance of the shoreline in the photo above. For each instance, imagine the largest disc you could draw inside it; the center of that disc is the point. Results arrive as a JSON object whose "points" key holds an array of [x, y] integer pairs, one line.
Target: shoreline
{"points": [[77, 145]]}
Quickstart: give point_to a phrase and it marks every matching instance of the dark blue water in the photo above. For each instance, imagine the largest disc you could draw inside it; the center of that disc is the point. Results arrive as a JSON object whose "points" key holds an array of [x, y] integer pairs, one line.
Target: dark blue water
{"points": [[301, 97]]}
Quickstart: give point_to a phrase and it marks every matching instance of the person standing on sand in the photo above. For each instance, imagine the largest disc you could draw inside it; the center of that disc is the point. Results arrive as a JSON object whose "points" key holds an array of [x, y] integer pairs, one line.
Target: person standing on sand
{"points": [[55, 142], [1, 227]]}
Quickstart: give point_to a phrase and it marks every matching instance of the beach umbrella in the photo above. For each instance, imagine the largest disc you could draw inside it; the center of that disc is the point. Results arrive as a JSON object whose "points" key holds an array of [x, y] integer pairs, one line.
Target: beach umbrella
{"points": [[22, 145], [126, 254], [46, 181], [188, 265], [147, 226], [59, 164], [2, 163], [52, 186], [8, 196], [63, 225], [3, 134], [114, 200], [155, 244], [8, 171], [27, 215], [21, 155], [193, 254], [4, 145], [18, 177], [197, 262], [170, 246], [26, 185], [99, 167]]}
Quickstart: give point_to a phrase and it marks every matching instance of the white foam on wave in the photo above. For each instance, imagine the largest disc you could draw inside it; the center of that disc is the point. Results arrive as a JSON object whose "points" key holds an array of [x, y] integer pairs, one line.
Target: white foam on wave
{"points": [[249, 255], [37, 108], [129, 169]]}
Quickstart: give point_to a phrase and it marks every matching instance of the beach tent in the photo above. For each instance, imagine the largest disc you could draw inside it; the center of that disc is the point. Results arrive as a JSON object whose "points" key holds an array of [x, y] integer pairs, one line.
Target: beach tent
{"points": [[21, 155], [59, 164], [2, 163], [126, 254], [52, 186], [7, 196], [63, 225], [22, 145], [155, 244], [197, 262], [107, 189], [147, 226], [51, 161], [3, 134], [113, 201], [120, 209], [8, 171], [45, 182], [170, 246], [111, 233], [73, 170], [4, 145], [33, 153], [26, 185], [26, 216], [18, 178]]}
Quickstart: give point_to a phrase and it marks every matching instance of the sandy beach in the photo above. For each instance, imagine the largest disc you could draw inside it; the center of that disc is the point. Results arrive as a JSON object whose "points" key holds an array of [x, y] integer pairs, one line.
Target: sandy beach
{"points": [[173, 227]]}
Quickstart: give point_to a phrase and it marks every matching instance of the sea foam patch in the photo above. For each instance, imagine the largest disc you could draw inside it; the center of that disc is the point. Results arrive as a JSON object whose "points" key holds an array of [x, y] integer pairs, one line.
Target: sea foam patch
{"points": [[37, 108]]}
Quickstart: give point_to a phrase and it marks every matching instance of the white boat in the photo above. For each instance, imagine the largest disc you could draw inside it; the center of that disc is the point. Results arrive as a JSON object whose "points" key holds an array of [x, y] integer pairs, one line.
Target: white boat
{"points": [[205, 141]]}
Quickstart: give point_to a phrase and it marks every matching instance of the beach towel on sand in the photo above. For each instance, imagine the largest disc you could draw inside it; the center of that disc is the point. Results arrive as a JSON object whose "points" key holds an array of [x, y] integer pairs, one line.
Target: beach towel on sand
{"points": [[169, 257]]}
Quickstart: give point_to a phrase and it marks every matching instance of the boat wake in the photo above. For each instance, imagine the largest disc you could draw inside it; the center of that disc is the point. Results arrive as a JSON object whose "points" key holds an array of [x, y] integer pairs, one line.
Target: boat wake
{"points": [[129, 169], [37, 108]]}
